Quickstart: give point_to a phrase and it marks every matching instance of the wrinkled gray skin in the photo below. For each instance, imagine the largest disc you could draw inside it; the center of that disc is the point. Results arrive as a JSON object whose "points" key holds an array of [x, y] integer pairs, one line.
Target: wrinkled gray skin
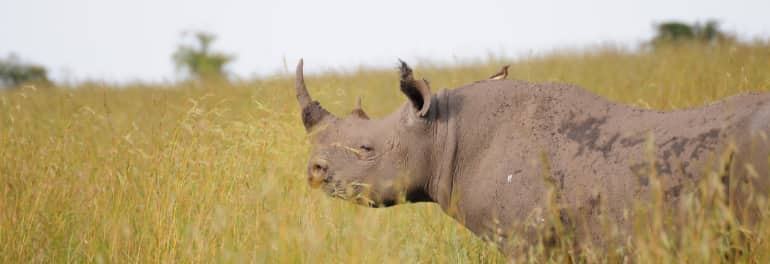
{"points": [[479, 147]]}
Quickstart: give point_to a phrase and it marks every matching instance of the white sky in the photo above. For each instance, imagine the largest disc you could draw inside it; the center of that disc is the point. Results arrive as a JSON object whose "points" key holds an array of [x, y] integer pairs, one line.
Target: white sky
{"points": [[129, 40]]}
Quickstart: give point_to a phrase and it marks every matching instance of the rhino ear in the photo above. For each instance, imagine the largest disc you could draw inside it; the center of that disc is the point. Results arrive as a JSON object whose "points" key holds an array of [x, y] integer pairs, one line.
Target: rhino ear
{"points": [[358, 111], [418, 91]]}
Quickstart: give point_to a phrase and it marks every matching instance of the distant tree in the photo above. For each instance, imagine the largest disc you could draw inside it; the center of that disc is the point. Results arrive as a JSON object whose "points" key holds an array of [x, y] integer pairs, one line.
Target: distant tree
{"points": [[676, 32], [709, 32], [199, 61], [14, 72]]}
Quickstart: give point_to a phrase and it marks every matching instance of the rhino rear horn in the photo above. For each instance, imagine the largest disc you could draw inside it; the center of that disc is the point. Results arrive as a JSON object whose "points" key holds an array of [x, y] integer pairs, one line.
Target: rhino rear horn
{"points": [[358, 111], [418, 91], [312, 112]]}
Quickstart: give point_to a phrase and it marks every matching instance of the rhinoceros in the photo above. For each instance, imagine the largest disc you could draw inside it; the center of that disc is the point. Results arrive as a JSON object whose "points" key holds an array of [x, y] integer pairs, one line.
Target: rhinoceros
{"points": [[490, 152]]}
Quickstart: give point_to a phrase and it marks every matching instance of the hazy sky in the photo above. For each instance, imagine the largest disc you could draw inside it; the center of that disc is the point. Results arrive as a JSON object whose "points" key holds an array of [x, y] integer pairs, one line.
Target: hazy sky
{"points": [[126, 40]]}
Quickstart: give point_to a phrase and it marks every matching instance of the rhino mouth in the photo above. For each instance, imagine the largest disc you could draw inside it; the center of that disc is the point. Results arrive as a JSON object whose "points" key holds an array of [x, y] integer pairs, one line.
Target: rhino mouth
{"points": [[356, 192]]}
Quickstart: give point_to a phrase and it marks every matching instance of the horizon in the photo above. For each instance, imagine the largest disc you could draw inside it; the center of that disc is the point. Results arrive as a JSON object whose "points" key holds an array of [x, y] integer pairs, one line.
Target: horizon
{"points": [[120, 42]]}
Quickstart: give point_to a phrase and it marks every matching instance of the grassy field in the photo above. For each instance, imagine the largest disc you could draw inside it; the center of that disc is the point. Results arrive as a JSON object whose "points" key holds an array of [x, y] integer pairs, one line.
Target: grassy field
{"points": [[215, 172]]}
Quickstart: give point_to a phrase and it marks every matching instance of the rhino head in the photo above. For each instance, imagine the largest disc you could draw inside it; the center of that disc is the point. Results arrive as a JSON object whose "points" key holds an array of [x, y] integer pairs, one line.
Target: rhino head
{"points": [[373, 162]]}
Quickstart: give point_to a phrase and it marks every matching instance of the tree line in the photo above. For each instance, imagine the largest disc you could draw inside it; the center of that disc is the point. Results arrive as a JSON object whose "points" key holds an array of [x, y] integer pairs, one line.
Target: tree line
{"points": [[198, 61]]}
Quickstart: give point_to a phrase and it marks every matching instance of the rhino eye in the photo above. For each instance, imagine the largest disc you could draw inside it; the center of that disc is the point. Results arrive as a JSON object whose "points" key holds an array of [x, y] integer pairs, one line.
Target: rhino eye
{"points": [[365, 148]]}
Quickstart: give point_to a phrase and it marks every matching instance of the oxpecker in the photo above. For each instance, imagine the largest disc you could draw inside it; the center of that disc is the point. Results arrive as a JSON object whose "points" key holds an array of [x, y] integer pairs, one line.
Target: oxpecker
{"points": [[502, 74]]}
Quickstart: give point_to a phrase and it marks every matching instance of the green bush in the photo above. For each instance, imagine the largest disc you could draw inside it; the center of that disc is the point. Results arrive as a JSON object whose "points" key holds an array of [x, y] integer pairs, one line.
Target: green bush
{"points": [[677, 32], [14, 73]]}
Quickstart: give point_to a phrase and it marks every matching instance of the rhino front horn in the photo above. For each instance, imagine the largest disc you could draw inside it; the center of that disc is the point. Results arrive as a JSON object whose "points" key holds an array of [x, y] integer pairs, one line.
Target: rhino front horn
{"points": [[358, 111], [312, 112]]}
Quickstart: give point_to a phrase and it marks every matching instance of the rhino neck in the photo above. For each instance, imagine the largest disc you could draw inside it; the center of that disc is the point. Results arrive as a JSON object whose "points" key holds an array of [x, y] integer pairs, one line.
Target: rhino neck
{"points": [[441, 179]]}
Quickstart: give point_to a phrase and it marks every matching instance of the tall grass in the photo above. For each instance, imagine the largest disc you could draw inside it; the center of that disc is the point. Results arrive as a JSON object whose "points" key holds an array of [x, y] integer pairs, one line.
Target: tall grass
{"points": [[215, 172]]}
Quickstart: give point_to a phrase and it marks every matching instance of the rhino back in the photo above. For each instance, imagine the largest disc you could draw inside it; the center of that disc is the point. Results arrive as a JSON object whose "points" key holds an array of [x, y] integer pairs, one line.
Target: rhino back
{"points": [[595, 149]]}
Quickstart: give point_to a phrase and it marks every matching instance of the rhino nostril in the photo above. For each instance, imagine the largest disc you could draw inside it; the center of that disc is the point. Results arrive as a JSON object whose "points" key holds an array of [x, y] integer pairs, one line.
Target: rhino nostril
{"points": [[318, 169], [318, 174]]}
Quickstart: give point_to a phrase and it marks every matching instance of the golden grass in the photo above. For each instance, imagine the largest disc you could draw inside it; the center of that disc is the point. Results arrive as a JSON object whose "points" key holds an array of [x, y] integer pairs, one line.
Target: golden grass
{"points": [[215, 172]]}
